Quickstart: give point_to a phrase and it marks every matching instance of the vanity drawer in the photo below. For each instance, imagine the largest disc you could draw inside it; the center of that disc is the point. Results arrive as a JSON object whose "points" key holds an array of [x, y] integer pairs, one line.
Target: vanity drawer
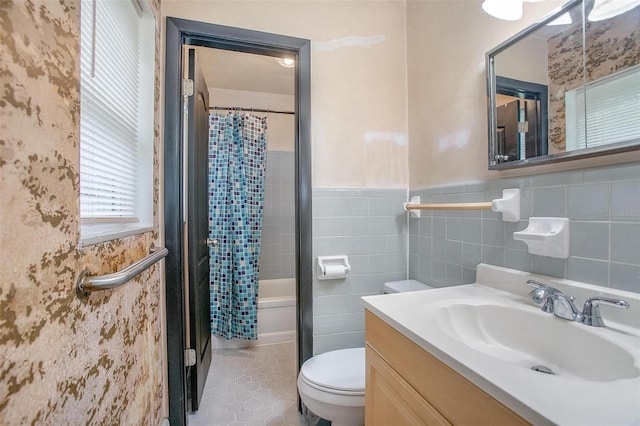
{"points": [[456, 398], [391, 400]]}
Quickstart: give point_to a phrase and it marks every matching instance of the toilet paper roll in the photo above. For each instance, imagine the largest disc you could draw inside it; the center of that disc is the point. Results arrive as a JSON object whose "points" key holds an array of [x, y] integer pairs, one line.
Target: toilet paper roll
{"points": [[334, 272]]}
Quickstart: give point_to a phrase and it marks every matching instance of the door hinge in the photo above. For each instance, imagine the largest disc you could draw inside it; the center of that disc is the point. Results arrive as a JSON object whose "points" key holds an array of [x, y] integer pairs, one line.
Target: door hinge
{"points": [[523, 126], [187, 87], [189, 357]]}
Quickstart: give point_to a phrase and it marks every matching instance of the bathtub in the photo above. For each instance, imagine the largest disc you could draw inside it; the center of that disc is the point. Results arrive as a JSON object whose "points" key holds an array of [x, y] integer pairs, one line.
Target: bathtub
{"points": [[276, 316]]}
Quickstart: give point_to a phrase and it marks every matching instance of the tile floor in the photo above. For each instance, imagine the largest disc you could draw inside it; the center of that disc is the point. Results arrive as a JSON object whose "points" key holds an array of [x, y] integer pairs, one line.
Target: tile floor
{"points": [[251, 386]]}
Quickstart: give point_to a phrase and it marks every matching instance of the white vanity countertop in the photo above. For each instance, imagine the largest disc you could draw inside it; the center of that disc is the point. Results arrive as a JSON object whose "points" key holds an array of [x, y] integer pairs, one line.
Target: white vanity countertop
{"points": [[565, 399]]}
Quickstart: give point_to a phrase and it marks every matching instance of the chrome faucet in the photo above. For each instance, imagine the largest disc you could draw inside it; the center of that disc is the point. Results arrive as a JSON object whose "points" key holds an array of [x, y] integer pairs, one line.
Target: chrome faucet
{"points": [[563, 306], [540, 294], [591, 311], [555, 302]]}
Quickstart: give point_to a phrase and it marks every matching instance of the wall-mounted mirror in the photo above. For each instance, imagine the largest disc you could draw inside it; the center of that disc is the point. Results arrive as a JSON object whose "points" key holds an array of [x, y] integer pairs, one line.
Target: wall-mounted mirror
{"points": [[567, 87]]}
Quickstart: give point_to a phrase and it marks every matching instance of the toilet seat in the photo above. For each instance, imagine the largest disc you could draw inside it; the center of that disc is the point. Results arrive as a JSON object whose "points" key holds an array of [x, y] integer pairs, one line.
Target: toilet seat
{"points": [[340, 372]]}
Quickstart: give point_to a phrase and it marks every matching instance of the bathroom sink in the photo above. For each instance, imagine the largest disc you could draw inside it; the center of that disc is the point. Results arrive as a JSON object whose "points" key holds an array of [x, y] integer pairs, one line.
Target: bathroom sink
{"points": [[546, 369], [538, 341]]}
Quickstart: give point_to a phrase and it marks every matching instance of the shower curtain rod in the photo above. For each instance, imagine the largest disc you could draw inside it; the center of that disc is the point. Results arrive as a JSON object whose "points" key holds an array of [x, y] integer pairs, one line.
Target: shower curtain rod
{"points": [[250, 110]]}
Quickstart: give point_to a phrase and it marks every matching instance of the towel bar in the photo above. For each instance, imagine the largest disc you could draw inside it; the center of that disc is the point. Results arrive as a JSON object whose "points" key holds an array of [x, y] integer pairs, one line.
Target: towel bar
{"points": [[450, 206], [508, 205]]}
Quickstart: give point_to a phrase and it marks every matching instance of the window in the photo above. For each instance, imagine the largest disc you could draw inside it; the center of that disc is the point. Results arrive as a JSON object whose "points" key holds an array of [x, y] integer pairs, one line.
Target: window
{"points": [[612, 107], [117, 47]]}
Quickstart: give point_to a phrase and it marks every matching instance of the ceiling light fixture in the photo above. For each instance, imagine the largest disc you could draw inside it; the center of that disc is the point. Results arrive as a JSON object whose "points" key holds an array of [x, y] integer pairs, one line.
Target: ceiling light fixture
{"points": [[562, 20], [286, 62], [605, 9], [509, 10]]}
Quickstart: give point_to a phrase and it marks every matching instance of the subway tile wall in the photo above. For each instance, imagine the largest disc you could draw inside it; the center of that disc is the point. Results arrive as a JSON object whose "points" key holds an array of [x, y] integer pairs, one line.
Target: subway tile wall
{"points": [[603, 205], [277, 257], [370, 226]]}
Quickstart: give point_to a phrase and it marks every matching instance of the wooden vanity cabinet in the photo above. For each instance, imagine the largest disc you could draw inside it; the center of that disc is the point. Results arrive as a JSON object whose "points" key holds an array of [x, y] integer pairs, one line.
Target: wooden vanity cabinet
{"points": [[405, 385]]}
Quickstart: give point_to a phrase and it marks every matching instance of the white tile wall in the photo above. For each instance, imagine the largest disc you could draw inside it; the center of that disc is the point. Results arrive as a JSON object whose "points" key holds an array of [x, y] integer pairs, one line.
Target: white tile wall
{"points": [[370, 226], [277, 258], [444, 247], [603, 205]]}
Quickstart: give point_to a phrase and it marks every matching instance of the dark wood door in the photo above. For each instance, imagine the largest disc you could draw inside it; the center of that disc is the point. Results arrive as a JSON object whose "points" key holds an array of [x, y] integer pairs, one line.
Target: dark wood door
{"points": [[532, 135], [507, 121], [199, 335]]}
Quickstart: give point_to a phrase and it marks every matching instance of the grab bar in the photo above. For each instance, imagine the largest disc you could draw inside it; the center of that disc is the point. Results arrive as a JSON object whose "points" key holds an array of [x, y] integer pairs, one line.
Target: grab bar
{"points": [[86, 284]]}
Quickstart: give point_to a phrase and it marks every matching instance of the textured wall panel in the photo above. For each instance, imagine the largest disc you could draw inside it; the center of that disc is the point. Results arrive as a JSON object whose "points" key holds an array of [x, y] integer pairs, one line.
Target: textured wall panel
{"points": [[63, 361]]}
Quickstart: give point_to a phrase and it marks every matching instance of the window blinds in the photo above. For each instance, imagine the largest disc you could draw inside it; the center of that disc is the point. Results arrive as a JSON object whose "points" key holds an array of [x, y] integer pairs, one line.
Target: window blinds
{"points": [[612, 107], [109, 119]]}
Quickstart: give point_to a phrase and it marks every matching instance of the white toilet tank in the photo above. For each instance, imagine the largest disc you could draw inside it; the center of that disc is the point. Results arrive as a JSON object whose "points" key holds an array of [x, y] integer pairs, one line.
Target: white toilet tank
{"points": [[404, 286]]}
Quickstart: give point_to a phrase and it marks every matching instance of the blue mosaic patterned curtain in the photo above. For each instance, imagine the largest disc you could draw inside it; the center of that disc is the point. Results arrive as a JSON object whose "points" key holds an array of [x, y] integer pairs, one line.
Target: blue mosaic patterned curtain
{"points": [[237, 162]]}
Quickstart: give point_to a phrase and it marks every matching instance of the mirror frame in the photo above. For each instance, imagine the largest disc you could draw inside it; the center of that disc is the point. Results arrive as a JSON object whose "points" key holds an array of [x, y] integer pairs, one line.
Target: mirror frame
{"points": [[491, 96]]}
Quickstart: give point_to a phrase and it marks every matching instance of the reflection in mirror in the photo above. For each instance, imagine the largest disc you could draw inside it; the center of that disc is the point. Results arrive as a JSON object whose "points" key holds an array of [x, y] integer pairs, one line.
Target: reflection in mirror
{"points": [[612, 73], [521, 110], [563, 89]]}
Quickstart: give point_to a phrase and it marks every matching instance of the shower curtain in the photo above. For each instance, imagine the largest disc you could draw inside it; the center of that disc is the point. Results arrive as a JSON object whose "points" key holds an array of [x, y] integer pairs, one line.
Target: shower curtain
{"points": [[237, 162]]}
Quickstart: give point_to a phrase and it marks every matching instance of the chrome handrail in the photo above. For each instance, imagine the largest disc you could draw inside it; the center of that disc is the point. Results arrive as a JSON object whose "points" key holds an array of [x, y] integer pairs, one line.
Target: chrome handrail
{"points": [[85, 284]]}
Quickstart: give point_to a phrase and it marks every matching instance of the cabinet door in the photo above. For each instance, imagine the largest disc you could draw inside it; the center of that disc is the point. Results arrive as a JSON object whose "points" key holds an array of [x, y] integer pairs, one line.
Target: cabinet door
{"points": [[390, 400], [456, 398]]}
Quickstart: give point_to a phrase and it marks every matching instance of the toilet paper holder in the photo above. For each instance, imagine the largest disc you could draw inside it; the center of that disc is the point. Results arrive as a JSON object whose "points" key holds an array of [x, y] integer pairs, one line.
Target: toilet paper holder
{"points": [[333, 267]]}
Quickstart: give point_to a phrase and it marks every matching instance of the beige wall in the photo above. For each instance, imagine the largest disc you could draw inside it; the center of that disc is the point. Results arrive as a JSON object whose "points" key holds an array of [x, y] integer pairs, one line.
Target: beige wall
{"points": [[447, 87], [365, 101], [447, 92], [358, 66], [527, 62], [63, 361]]}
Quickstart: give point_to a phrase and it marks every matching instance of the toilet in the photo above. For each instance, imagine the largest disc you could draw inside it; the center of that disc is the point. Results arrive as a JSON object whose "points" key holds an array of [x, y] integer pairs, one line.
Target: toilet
{"points": [[331, 384]]}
